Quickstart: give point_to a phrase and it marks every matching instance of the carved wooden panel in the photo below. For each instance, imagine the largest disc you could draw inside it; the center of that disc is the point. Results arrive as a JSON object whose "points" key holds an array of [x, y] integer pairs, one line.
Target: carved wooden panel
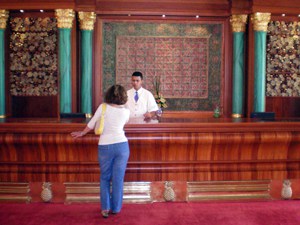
{"points": [[181, 154]]}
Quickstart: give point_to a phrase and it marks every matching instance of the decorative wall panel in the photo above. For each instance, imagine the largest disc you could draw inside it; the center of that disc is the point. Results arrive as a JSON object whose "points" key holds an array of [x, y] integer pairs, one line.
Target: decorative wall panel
{"points": [[187, 58], [181, 64], [283, 59], [33, 57]]}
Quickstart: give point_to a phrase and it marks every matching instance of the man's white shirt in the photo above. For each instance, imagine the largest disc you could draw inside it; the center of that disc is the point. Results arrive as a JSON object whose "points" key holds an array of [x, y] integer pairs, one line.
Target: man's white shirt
{"points": [[146, 102]]}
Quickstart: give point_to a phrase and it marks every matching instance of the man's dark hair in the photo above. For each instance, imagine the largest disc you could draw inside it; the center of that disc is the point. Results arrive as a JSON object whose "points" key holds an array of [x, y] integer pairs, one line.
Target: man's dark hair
{"points": [[116, 94], [138, 74]]}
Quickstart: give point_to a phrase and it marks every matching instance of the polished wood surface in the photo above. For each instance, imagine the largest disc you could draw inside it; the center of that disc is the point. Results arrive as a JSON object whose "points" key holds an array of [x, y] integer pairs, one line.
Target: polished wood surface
{"points": [[283, 106], [172, 149], [34, 106]]}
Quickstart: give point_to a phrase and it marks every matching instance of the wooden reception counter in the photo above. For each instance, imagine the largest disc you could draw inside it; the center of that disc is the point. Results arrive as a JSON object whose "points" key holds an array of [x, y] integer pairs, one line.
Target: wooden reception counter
{"points": [[191, 155]]}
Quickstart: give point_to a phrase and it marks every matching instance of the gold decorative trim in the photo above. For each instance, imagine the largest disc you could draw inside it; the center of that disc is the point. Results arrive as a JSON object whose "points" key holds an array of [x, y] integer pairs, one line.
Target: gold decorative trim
{"points": [[3, 18], [87, 20], [15, 192], [229, 190], [229, 197], [88, 115], [134, 192], [236, 115], [238, 23], [260, 21], [64, 17]]}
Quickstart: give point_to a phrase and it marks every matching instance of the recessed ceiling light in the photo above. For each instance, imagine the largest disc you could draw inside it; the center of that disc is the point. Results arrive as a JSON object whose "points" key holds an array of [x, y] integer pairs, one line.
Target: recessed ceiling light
{"points": [[282, 14], [163, 16], [21, 10], [197, 16], [41, 10]]}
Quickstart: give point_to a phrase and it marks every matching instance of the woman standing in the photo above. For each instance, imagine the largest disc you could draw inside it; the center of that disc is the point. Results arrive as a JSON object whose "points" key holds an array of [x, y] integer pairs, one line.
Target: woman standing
{"points": [[113, 148]]}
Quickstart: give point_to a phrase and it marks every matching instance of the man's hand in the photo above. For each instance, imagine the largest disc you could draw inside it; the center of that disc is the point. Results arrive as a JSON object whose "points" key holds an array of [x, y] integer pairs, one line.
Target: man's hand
{"points": [[147, 115]]}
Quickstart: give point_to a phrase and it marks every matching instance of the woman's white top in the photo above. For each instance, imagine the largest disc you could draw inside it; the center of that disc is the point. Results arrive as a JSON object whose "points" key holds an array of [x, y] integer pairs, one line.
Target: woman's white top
{"points": [[146, 102], [114, 120]]}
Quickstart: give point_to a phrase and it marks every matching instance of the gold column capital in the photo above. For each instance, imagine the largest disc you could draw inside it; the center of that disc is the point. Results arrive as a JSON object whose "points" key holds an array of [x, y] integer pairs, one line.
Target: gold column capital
{"points": [[64, 17], [87, 20], [3, 18], [260, 21], [238, 22]]}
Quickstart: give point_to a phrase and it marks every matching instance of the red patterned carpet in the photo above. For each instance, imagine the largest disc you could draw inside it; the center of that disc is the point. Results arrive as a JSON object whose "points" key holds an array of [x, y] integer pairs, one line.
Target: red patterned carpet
{"points": [[227, 213]]}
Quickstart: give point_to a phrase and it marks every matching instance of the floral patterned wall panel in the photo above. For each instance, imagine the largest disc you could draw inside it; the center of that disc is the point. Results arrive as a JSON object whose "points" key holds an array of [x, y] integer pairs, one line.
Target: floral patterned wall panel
{"points": [[180, 64], [185, 58], [33, 59], [283, 59]]}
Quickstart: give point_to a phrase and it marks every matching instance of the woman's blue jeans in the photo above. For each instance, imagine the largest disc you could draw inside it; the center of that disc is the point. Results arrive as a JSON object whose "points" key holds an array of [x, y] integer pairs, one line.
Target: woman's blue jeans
{"points": [[113, 161]]}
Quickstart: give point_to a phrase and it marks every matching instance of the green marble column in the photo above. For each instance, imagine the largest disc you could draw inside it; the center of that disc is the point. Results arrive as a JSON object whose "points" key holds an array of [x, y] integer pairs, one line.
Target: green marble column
{"points": [[260, 23], [3, 19], [64, 19], [238, 23], [65, 70], [87, 20]]}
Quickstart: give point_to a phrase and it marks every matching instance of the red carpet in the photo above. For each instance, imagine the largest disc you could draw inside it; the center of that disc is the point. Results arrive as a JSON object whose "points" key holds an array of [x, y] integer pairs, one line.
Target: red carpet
{"points": [[235, 213]]}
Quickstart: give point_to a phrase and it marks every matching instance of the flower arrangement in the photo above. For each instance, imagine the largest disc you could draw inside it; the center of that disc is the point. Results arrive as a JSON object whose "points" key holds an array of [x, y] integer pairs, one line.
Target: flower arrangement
{"points": [[217, 111], [160, 100]]}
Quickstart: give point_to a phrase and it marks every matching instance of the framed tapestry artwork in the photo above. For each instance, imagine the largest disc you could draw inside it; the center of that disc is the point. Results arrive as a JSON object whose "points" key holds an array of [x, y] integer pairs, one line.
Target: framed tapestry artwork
{"points": [[186, 60]]}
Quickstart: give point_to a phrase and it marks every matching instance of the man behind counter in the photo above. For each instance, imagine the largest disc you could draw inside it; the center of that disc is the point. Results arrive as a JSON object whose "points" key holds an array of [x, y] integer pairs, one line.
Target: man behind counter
{"points": [[141, 102]]}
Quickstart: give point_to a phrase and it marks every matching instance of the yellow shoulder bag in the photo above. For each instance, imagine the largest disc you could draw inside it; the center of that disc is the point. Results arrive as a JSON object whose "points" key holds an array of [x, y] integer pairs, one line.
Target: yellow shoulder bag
{"points": [[100, 123]]}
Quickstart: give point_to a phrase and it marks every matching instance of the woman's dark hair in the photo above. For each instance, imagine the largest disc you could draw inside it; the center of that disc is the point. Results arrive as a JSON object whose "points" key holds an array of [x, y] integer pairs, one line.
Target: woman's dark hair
{"points": [[116, 94]]}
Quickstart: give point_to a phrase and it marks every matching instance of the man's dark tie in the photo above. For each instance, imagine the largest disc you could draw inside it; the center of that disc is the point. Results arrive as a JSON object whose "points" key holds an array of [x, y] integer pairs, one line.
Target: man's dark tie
{"points": [[136, 96]]}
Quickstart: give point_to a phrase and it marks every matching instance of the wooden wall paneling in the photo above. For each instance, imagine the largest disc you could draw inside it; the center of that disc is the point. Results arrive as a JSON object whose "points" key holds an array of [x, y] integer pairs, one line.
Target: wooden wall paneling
{"points": [[97, 60], [194, 154], [240, 7], [227, 70], [34, 106], [37, 4], [276, 7], [177, 7], [85, 5], [283, 106]]}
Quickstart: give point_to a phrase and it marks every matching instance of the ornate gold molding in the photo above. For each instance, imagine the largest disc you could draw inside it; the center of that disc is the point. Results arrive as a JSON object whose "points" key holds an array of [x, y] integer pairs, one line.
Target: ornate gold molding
{"points": [[236, 115], [3, 18], [64, 17], [260, 21], [238, 23], [87, 20]]}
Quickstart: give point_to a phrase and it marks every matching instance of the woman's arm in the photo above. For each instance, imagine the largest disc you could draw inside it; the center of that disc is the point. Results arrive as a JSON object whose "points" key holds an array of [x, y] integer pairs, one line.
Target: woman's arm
{"points": [[77, 134]]}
